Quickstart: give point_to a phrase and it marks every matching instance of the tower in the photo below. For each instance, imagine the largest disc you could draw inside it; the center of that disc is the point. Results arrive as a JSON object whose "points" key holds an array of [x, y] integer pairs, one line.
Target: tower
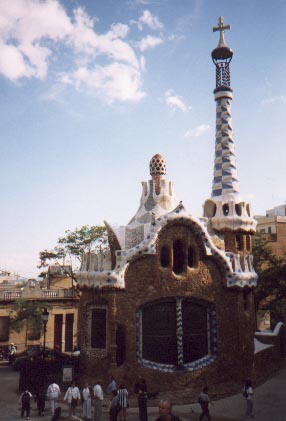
{"points": [[229, 215]]}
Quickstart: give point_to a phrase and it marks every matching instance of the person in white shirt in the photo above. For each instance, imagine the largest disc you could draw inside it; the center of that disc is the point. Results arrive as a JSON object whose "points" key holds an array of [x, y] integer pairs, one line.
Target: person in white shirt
{"points": [[72, 396], [98, 399], [86, 402], [53, 394]]}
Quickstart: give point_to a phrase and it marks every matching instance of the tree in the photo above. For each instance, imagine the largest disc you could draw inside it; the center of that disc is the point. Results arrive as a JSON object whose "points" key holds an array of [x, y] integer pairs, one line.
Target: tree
{"points": [[271, 272], [74, 244], [27, 314]]}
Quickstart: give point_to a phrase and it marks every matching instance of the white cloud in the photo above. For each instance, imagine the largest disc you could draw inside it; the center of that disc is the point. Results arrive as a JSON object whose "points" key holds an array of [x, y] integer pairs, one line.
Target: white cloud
{"points": [[32, 33], [25, 26], [198, 131], [175, 102], [150, 20], [142, 63], [149, 42], [114, 82], [273, 100], [176, 37]]}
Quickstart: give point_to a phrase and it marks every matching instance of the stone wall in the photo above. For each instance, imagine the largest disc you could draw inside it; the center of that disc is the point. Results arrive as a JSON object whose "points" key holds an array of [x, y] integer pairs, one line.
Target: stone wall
{"points": [[146, 281]]}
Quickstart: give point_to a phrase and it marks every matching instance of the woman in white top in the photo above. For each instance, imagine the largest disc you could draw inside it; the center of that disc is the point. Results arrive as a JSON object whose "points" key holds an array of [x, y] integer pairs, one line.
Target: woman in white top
{"points": [[72, 396], [86, 402], [53, 394], [248, 394]]}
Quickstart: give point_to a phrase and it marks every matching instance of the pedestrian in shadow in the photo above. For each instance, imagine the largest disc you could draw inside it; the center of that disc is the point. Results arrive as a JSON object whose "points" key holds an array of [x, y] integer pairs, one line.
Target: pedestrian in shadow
{"points": [[25, 401], [204, 401], [41, 400], [114, 407], [140, 389], [248, 395]]}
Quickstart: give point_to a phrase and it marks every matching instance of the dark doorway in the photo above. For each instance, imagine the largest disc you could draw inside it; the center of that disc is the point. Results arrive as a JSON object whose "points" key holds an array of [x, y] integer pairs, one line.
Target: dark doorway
{"points": [[58, 331], [69, 332], [120, 345]]}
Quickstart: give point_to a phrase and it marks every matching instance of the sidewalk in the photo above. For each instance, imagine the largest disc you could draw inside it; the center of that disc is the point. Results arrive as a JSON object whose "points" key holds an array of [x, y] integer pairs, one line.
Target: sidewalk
{"points": [[269, 403]]}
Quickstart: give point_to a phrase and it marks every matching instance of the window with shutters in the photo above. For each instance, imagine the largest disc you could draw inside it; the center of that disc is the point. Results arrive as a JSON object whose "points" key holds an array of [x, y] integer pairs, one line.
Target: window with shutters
{"points": [[177, 332], [98, 328]]}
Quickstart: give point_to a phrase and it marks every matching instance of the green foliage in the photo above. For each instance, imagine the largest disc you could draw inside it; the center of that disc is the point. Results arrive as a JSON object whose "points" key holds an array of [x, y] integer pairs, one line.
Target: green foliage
{"points": [[271, 272], [83, 240], [74, 244], [27, 314]]}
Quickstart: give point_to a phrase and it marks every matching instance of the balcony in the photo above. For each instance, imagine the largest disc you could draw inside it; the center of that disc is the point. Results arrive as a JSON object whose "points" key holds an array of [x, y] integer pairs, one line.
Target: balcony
{"points": [[41, 295]]}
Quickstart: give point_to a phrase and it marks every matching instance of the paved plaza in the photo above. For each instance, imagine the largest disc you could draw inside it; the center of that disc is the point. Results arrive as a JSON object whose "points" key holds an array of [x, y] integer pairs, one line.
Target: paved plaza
{"points": [[269, 402]]}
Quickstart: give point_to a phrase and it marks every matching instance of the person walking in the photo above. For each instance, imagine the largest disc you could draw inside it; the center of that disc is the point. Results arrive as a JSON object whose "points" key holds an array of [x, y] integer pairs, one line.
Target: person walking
{"points": [[40, 399], [111, 386], [204, 401], [248, 395], [86, 402], [53, 394], [165, 412], [98, 399], [72, 396], [25, 402], [122, 394], [140, 389], [114, 406]]}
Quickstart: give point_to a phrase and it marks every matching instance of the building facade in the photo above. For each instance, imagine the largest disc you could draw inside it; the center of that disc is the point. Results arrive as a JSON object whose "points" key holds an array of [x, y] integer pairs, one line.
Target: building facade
{"points": [[172, 298], [273, 227], [58, 294]]}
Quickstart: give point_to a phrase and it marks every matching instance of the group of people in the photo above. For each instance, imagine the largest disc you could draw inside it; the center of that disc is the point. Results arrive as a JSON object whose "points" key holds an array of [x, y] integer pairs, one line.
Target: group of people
{"points": [[118, 401], [76, 397]]}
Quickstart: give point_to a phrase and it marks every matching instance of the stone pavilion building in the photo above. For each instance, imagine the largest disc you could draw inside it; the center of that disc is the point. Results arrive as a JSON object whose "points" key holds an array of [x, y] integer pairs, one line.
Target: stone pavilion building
{"points": [[172, 298]]}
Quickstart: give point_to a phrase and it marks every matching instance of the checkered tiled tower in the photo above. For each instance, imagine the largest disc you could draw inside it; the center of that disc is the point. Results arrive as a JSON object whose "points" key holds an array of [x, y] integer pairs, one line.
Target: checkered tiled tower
{"points": [[225, 179], [227, 211]]}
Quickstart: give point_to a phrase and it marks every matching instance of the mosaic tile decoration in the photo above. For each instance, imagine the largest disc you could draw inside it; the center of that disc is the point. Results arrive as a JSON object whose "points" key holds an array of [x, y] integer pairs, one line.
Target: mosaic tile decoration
{"points": [[234, 275], [225, 179]]}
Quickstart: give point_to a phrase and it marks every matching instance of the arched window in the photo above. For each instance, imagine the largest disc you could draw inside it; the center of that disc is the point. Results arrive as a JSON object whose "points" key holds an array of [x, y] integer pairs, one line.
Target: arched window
{"points": [[191, 257], [177, 332], [165, 257], [178, 257]]}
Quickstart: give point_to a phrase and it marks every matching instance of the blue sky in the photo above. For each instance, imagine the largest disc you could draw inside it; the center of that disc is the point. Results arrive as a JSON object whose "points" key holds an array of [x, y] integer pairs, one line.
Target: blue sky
{"points": [[91, 90]]}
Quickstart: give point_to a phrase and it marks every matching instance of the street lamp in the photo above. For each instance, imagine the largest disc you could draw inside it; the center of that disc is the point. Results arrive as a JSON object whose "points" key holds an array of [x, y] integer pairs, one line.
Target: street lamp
{"points": [[45, 316]]}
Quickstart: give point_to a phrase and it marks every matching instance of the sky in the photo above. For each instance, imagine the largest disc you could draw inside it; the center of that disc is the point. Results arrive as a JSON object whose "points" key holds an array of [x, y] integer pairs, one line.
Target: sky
{"points": [[91, 89]]}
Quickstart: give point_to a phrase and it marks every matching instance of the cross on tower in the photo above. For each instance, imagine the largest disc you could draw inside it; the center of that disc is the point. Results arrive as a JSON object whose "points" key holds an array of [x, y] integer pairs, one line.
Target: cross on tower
{"points": [[221, 28]]}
